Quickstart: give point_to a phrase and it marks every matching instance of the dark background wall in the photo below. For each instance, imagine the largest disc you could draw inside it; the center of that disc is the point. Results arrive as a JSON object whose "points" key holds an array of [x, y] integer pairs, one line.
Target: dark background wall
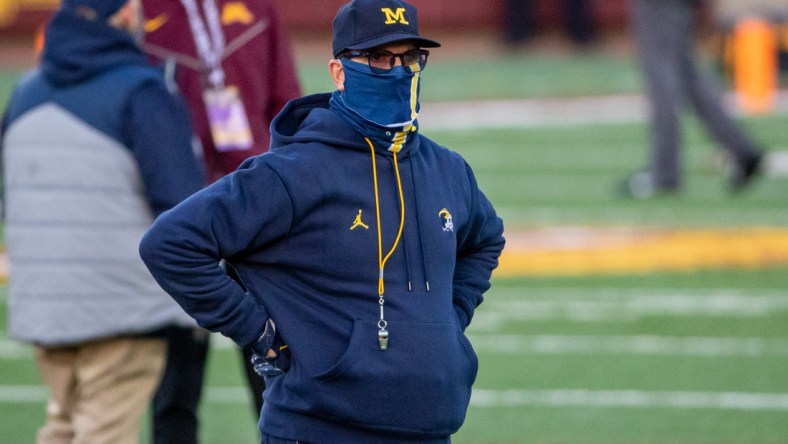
{"points": [[452, 14], [305, 16]]}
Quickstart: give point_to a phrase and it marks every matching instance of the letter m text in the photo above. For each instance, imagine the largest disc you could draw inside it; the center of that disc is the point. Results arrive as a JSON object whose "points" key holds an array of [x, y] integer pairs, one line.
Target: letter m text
{"points": [[395, 16]]}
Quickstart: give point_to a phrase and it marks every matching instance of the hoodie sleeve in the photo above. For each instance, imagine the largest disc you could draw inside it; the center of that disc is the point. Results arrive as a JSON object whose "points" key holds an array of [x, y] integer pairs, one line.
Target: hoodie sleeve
{"points": [[185, 245], [159, 134], [480, 243]]}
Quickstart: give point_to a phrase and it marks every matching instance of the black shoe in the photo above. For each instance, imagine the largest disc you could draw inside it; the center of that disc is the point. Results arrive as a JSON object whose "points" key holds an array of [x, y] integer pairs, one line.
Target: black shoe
{"points": [[642, 185], [743, 171]]}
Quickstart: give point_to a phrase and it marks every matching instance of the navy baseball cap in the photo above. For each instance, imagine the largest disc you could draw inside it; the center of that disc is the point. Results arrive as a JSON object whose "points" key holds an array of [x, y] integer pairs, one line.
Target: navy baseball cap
{"points": [[364, 24]]}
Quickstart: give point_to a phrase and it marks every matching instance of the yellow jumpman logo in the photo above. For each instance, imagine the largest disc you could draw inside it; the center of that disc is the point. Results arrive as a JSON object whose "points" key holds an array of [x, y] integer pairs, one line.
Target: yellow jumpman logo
{"points": [[358, 223]]}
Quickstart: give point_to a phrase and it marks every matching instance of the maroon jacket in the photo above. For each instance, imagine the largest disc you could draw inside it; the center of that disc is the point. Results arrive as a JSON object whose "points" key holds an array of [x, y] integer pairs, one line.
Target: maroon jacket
{"points": [[257, 59]]}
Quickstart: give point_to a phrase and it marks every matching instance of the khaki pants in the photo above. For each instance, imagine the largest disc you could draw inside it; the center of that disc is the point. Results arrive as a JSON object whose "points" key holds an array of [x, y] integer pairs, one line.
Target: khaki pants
{"points": [[99, 391]]}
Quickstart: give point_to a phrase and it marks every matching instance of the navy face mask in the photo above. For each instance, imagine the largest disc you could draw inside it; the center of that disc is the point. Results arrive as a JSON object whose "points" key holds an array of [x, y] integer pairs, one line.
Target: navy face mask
{"points": [[390, 100]]}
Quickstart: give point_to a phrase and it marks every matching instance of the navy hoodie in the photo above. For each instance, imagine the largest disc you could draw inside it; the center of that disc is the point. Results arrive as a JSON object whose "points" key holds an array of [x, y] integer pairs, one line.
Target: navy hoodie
{"points": [[300, 225], [86, 60]]}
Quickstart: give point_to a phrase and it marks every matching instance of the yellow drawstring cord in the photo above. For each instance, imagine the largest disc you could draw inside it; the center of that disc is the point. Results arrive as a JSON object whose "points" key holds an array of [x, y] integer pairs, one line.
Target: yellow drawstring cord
{"points": [[382, 260]]}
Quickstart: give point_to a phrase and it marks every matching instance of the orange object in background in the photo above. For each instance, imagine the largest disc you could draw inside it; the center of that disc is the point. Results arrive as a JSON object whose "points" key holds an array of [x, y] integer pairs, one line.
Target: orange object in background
{"points": [[755, 64], [38, 42]]}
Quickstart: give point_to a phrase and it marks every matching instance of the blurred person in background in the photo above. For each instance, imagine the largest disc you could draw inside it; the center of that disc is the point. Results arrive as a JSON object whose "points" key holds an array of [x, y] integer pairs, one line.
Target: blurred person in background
{"points": [[94, 146], [520, 20], [233, 63], [664, 32], [367, 244]]}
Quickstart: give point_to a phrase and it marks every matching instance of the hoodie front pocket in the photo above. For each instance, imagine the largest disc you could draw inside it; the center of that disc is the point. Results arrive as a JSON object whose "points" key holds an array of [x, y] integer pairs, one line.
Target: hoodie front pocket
{"points": [[421, 384]]}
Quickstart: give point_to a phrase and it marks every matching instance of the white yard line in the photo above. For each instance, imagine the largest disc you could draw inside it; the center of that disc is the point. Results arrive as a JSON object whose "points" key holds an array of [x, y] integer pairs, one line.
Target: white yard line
{"points": [[623, 108], [18, 394], [629, 399], [616, 305], [10, 349], [624, 399], [651, 345]]}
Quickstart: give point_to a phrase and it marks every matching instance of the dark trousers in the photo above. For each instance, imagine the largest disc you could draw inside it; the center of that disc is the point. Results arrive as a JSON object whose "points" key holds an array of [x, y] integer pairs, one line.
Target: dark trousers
{"points": [[176, 402], [664, 32], [579, 20], [520, 20]]}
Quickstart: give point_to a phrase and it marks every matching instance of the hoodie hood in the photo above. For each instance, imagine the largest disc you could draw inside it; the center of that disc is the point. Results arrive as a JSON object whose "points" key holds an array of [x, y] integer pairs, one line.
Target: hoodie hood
{"points": [[77, 49], [309, 119], [101, 9]]}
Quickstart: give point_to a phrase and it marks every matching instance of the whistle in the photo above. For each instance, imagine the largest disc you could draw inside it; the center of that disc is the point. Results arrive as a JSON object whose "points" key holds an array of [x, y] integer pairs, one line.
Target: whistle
{"points": [[383, 338]]}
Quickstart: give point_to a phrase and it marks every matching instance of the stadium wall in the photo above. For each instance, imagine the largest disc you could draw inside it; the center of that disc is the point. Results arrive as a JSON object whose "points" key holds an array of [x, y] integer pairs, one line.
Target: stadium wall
{"points": [[23, 17]]}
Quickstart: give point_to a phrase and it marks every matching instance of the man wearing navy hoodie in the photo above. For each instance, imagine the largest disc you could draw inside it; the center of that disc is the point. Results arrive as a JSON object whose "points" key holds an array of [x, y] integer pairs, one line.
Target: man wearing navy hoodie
{"points": [[94, 147], [365, 243]]}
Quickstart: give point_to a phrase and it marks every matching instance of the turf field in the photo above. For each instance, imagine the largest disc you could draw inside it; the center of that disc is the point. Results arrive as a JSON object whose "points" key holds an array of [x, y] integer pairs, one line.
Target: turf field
{"points": [[568, 356]]}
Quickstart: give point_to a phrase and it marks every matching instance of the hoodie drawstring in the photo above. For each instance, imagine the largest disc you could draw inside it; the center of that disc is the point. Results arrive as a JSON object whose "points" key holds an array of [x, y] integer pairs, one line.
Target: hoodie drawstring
{"points": [[407, 266], [418, 228], [383, 334]]}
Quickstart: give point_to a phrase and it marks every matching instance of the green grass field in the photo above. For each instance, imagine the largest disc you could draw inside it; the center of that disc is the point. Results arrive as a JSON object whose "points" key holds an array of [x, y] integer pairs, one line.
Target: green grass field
{"points": [[656, 358]]}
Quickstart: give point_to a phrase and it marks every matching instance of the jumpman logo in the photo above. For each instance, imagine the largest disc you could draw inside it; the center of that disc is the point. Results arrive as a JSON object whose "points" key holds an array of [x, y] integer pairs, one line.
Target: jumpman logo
{"points": [[358, 223]]}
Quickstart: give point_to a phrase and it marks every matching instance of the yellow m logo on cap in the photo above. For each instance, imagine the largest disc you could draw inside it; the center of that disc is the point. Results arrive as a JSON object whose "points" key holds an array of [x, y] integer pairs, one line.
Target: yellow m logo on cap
{"points": [[397, 16]]}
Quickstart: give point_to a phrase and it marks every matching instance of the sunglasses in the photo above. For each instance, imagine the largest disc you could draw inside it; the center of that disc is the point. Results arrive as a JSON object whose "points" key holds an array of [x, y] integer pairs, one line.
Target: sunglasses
{"points": [[381, 61]]}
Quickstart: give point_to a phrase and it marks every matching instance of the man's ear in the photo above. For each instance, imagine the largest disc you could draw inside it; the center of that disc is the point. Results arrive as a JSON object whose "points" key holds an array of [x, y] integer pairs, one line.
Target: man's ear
{"points": [[129, 18], [337, 73]]}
